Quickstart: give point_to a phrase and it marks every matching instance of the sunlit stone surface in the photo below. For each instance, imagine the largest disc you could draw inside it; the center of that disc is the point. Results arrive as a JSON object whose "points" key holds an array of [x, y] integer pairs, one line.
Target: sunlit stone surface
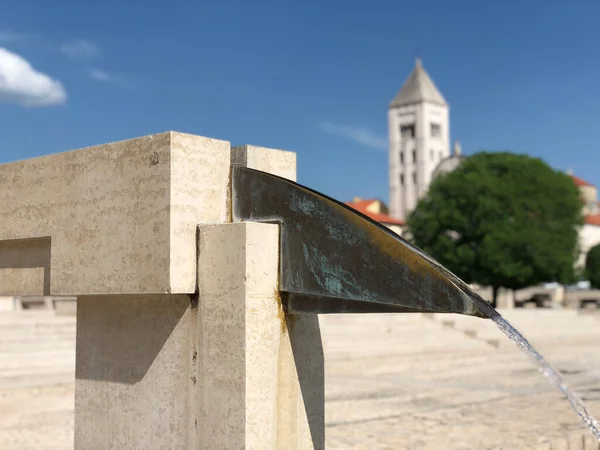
{"points": [[395, 382]]}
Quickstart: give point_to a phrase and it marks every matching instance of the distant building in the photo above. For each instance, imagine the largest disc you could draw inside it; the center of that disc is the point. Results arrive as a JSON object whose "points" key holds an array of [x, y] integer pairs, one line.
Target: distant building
{"points": [[589, 195], [378, 211], [450, 163], [419, 136], [590, 232]]}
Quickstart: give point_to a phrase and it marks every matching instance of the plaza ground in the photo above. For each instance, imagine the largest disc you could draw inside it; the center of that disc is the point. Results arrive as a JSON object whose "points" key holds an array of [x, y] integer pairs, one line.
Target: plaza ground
{"points": [[392, 381]]}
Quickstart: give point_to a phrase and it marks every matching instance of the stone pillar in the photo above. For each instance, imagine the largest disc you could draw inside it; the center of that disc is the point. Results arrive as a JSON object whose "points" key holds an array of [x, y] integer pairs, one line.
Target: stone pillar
{"points": [[292, 368], [558, 297], [260, 374], [506, 298], [7, 304]]}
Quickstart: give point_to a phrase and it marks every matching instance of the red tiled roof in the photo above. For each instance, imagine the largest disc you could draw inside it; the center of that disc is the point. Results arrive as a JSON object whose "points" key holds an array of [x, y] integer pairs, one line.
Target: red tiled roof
{"points": [[580, 182], [362, 205], [383, 218], [593, 220]]}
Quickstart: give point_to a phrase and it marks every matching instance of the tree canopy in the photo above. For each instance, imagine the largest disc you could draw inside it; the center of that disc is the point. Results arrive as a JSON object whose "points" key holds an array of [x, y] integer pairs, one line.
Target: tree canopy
{"points": [[592, 266], [501, 220]]}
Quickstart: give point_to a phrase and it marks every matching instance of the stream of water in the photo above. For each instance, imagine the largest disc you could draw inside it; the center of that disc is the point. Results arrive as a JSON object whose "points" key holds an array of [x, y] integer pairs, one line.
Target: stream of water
{"points": [[552, 375]]}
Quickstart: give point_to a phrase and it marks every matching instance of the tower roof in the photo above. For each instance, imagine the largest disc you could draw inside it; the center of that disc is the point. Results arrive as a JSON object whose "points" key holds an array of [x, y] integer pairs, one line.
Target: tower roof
{"points": [[417, 88]]}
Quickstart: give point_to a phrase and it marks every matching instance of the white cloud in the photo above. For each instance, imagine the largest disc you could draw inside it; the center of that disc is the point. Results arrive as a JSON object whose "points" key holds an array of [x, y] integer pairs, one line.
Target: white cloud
{"points": [[359, 135], [101, 76], [79, 49], [116, 80], [21, 83]]}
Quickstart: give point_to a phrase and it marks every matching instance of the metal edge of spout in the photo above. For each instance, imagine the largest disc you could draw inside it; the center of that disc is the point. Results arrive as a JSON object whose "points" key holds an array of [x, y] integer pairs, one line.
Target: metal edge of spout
{"points": [[334, 259]]}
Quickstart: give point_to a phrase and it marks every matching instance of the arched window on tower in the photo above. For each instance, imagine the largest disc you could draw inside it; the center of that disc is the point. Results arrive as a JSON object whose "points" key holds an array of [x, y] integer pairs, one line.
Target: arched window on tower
{"points": [[401, 157], [407, 131], [414, 155], [415, 177], [401, 179]]}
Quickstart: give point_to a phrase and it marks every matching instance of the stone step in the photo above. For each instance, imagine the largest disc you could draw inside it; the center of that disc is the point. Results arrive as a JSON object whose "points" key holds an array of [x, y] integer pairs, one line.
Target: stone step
{"points": [[37, 348], [370, 318], [35, 352], [34, 317], [534, 334], [59, 358], [396, 337], [34, 370], [55, 337], [37, 335], [39, 329], [36, 324], [29, 326], [563, 324], [364, 331], [569, 328], [46, 329], [37, 377], [338, 354], [46, 346], [526, 314], [339, 328], [418, 337], [27, 313], [537, 312], [24, 333]]}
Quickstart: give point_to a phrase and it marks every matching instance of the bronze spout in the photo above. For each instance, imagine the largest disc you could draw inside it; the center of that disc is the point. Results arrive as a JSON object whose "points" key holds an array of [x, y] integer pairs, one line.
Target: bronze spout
{"points": [[334, 259]]}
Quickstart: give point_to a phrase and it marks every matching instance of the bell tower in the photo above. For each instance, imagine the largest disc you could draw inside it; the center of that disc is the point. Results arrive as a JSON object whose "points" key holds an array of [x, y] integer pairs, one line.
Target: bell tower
{"points": [[419, 138]]}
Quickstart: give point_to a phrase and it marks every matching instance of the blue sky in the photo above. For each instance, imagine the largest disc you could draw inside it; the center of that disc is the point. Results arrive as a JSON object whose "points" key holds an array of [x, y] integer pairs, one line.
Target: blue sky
{"points": [[311, 77]]}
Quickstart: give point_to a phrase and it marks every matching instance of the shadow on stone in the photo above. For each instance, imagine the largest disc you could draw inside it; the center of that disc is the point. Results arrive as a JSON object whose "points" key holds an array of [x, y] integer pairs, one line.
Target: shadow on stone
{"points": [[305, 337], [125, 334], [25, 266]]}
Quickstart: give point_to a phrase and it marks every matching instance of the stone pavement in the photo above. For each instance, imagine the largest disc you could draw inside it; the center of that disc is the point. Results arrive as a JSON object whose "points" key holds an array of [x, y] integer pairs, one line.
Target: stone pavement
{"points": [[37, 348], [37, 418], [410, 382], [399, 382]]}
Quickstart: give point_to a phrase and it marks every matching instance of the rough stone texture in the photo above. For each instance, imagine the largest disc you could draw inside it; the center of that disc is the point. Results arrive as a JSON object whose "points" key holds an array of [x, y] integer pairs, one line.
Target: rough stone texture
{"points": [[121, 217], [134, 368], [224, 369], [25, 266], [260, 376], [228, 372]]}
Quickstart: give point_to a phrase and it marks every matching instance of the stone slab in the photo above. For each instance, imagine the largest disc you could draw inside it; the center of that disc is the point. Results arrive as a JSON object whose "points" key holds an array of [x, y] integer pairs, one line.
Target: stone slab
{"points": [[118, 218], [278, 162]]}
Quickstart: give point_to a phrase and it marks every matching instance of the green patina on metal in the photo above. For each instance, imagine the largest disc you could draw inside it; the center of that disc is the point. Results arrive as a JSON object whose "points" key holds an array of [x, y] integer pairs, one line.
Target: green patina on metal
{"points": [[334, 258]]}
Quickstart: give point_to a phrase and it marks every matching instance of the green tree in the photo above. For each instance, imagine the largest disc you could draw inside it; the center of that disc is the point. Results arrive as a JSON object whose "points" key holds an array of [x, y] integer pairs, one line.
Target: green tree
{"points": [[501, 220], [592, 266]]}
